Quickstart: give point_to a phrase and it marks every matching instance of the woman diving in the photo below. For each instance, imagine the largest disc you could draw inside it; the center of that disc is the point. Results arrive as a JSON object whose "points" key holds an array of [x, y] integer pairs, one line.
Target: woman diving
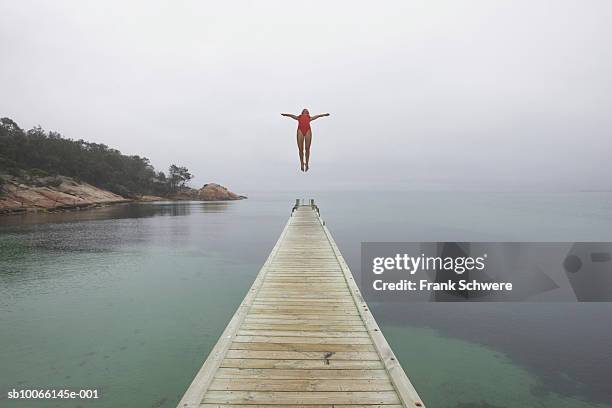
{"points": [[304, 134]]}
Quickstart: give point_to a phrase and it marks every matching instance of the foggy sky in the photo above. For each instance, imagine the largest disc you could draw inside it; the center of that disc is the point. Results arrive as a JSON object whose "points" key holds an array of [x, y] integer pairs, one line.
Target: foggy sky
{"points": [[424, 95]]}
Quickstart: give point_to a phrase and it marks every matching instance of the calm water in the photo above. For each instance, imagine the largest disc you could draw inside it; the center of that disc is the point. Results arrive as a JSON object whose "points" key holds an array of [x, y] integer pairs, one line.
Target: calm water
{"points": [[130, 299]]}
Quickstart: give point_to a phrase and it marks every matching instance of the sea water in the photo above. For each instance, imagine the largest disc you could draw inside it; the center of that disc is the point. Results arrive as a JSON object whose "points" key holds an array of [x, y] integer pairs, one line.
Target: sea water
{"points": [[129, 299]]}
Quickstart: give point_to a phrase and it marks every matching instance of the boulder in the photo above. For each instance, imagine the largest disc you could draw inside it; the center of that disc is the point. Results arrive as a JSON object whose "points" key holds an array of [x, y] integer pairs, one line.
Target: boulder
{"points": [[216, 192]]}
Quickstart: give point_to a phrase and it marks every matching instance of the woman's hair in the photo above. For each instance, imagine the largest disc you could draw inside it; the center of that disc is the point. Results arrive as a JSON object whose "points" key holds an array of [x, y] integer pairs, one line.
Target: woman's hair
{"points": [[305, 112]]}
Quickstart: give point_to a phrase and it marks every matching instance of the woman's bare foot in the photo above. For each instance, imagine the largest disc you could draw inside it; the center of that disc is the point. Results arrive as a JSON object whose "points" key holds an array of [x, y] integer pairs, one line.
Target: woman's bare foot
{"points": [[302, 166], [306, 167]]}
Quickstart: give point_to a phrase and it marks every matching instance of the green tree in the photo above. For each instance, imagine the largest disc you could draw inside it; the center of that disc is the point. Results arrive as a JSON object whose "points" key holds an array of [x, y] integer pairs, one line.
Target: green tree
{"points": [[95, 163], [178, 176]]}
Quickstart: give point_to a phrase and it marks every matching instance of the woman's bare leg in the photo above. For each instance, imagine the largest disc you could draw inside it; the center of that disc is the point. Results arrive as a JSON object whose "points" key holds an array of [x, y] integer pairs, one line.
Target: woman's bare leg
{"points": [[307, 140], [300, 143]]}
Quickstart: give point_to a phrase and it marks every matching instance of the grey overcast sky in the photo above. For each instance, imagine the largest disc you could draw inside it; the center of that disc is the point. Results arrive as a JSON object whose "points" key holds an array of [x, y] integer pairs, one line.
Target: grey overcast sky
{"points": [[424, 95]]}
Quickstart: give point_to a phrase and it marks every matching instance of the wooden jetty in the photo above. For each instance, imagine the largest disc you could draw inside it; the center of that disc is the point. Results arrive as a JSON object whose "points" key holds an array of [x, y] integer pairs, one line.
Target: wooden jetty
{"points": [[303, 336]]}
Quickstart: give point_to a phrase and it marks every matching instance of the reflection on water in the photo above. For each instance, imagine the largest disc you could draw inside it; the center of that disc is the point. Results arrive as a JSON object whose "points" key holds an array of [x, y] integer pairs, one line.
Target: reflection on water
{"points": [[129, 299], [119, 211]]}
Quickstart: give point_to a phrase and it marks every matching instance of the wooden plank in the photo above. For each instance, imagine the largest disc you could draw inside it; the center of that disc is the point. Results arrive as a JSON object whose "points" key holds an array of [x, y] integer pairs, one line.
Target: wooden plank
{"points": [[300, 308], [304, 304], [312, 275], [301, 346], [297, 406], [301, 397], [306, 301], [303, 295], [304, 278], [302, 316], [301, 302], [304, 327], [264, 384], [302, 340], [303, 355], [287, 269], [275, 320], [310, 299], [260, 314], [329, 293], [293, 271], [314, 289], [346, 298], [275, 373], [304, 282], [301, 333], [304, 364], [291, 311], [307, 287]]}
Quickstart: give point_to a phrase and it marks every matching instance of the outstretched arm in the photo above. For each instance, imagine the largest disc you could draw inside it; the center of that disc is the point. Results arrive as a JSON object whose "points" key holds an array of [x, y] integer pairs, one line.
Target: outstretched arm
{"points": [[318, 116], [289, 115]]}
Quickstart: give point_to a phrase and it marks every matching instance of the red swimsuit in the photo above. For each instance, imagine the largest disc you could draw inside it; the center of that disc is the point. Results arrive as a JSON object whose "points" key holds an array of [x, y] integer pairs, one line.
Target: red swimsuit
{"points": [[304, 123]]}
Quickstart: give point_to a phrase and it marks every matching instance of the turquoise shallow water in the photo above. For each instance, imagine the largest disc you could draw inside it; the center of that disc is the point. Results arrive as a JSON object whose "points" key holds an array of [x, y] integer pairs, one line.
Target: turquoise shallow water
{"points": [[129, 299], [441, 367]]}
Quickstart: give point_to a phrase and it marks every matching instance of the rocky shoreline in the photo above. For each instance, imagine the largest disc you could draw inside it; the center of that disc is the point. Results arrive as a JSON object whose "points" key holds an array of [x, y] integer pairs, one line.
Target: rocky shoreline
{"points": [[54, 194]]}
